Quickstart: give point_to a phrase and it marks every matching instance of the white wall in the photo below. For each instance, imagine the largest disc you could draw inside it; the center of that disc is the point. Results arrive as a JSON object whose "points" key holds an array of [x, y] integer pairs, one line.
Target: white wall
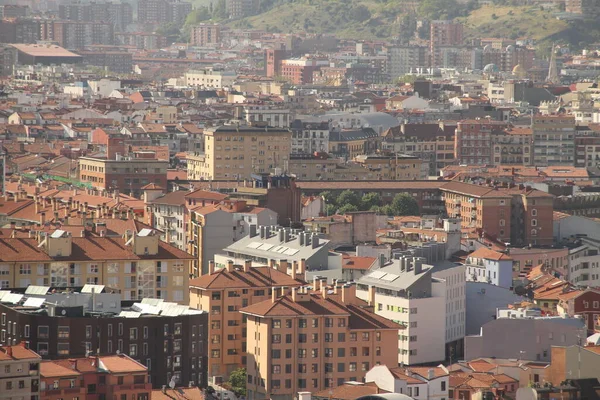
{"points": [[456, 296]]}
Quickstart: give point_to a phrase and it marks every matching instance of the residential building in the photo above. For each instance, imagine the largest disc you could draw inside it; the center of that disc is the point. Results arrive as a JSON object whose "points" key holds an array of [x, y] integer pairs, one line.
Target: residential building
{"points": [[205, 35], [402, 59], [584, 303], [120, 62], [443, 33], [258, 114], [19, 369], [136, 265], [169, 339], [314, 340], [213, 227], [166, 213], [118, 171], [79, 34], [120, 14], [222, 293], [419, 383], [553, 140], [8, 59], [524, 335], [473, 142], [242, 8], [347, 230], [471, 384], [349, 143], [236, 152], [112, 376], [269, 245], [482, 302], [393, 167], [573, 362], [300, 71], [209, 78], [513, 145], [158, 12], [309, 137], [513, 214], [493, 267], [400, 291]]}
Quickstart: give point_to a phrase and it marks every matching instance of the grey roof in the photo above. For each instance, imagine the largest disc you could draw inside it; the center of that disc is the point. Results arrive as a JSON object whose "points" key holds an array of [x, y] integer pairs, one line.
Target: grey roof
{"points": [[392, 276], [274, 248]]}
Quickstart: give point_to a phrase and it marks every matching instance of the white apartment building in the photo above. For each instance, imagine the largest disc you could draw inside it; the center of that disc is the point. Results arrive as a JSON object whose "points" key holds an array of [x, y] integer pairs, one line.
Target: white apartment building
{"points": [[405, 292], [258, 114], [209, 78], [420, 383], [456, 307], [309, 137], [584, 265]]}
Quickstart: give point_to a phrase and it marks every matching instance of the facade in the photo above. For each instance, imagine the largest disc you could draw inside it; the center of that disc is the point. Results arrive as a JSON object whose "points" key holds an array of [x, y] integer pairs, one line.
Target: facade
{"points": [[118, 376], [512, 214], [553, 140], [258, 114], [314, 340], [242, 8], [78, 34], [419, 383], [483, 300], [584, 303], [170, 340], [493, 267], [393, 167], [309, 137], [443, 33], [167, 213], [19, 370], [512, 146], [159, 12], [523, 337], [205, 35], [404, 291], [473, 141], [209, 78], [136, 265], [237, 152], [120, 62], [401, 59], [222, 293], [120, 14]]}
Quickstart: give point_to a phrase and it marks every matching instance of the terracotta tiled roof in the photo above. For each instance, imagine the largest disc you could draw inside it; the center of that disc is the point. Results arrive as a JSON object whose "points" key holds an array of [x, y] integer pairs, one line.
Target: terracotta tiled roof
{"points": [[205, 195], [172, 198], [369, 185], [349, 391], [360, 263], [256, 277], [51, 369], [438, 372], [178, 393], [17, 352], [484, 252]]}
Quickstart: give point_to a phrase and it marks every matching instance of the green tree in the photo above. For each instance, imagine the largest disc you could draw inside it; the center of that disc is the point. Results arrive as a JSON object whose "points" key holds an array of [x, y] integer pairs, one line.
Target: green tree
{"points": [[329, 197], [330, 209], [360, 13], [404, 204], [237, 381], [370, 200], [348, 197], [346, 208], [198, 15], [220, 10]]}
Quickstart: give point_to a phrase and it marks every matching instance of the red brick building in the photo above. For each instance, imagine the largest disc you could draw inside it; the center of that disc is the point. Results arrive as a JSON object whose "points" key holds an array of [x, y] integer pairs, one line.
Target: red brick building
{"points": [[473, 141], [581, 302]]}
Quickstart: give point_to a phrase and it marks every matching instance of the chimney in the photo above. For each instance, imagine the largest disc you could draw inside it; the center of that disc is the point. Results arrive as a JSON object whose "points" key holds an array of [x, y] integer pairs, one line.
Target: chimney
{"points": [[417, 265], [164, 389], [315, 241], [335, 286], [294, 294], [348, 293], [252, 230], [229, 266], [324, 288], [283, 266], [302, 266], [316, 283], [294, 268], [247, 265], [43, 218], [281, 236], [262, 232], [286, 235], [37, 205], [271, 263], [9, 351], [211, 267], [273, 294], [381, 260]]}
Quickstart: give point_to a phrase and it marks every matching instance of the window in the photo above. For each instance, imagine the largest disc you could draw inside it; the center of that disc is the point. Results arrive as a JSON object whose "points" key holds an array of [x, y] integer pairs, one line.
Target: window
{"points": [[443, 386], [63, 349], [534, 222], [302, 322], [276, 324], [365, 336], [63, 332], [276, 369]]}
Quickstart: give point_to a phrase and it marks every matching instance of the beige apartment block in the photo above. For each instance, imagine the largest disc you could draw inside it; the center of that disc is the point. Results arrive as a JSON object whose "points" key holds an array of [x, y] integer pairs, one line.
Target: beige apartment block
{"points": [[223, 293], [19, 370], [236, 152], [137, 265], [314, 340]]}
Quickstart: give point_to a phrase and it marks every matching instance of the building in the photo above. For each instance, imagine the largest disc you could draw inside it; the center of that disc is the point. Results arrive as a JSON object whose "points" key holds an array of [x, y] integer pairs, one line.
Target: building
{"points": [[120, 62], [584, 303], [212, 227], [349, 143], [242, 8], [519, 335], [553, 140], [258, 114], [405, 291], [419, 383], [119, 171], [512, 146], [236, 152], [136, 265], [209, 78], [273, 59], [573, 362], [225, 291], [482, 300], [512, 214], [443, 33], [586, 8], [117, 376], [169, 339], [120, 13], [347, 230], [158, 12], [19, 369], [8, 59], [269, 245], [392, 167], [402, 59], [309, 137], [473, 141], [493, 267], [314, 340], [80, 34], [205, 35], [299, 71], [33, 54]]}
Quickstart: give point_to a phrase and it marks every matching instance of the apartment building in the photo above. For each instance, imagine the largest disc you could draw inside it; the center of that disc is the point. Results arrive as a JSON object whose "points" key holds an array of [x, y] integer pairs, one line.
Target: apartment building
{"points": [[213, 227], [167, 213], [116, 376], [119, 171], [314, 340], [167, 338], [553, 140], [513, 145], [258, 114], [222, 293], [242, 8], [309, 137], [136, 265], [405, 292], [19, 370], [79, 34], [419, 383], [393, 167], [473, 141], [584, 303], [493, 267], [162, 11], [120, 14], [237, 152], [443, 33], [514, 214], [209, 78], [205, 35], [401, 59]]}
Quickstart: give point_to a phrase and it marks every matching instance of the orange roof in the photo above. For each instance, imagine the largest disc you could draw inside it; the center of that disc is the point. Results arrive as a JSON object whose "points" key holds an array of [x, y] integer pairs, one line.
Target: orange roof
{"points": [[182, 393], [52, 369], [484, 252], [17, 352], [256, 277], [354, 262], [350, 391]]}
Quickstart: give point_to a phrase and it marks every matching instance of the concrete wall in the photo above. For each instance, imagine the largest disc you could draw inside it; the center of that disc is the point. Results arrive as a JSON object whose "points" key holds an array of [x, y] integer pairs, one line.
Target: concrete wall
{"points": [[481, 307], [573, 225]]}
